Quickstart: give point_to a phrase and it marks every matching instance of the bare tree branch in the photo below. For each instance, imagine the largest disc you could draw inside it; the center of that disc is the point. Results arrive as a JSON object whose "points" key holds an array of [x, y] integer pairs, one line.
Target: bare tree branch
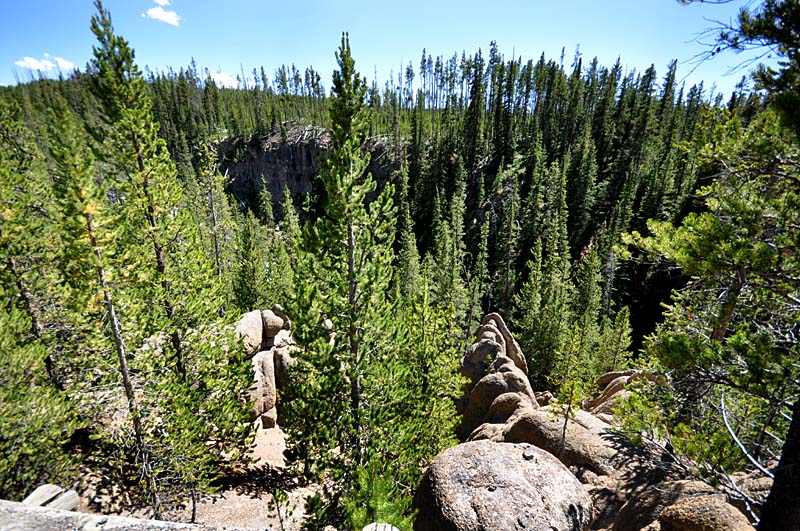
{"points": [[739, 443]]}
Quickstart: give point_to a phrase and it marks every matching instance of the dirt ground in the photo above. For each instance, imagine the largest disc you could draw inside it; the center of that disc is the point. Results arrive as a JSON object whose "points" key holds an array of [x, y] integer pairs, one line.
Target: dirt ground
{"points": [[247, 500]]}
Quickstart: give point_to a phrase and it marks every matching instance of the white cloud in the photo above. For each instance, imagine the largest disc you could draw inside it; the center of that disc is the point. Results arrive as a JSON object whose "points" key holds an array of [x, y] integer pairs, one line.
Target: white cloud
{"points": [[63, 64], [162, 3], [34, 64], [45, 64], [159, 13], [224, 80]]}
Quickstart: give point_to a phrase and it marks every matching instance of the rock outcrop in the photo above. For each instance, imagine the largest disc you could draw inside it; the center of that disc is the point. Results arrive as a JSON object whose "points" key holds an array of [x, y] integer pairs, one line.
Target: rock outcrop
{"points": [[498, 378], [19, 517], [483, 486], [290, 159], [266, 336], [633, 487], [581, 441], [680, 506], [703, 513], [499, 405]]}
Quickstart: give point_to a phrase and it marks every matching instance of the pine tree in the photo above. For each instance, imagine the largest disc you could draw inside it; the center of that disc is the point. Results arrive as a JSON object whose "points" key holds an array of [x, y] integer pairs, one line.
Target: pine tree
{"points": [[89, 241], [249, 276], [172, 294], [543, 304], [265, 213], [574, 372], [446, 258], [478, 284], [613, 352], [343, 276], [408, 265], [290, 224], [474, 115], [219, 218], [724, 338], [581, 176], [38, 417], [22, 225], [508, 236]]}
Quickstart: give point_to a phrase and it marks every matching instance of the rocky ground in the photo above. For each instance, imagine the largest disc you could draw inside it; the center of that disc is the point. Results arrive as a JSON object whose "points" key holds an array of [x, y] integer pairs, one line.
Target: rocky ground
{"points": [[522, 464], [247, 500]]}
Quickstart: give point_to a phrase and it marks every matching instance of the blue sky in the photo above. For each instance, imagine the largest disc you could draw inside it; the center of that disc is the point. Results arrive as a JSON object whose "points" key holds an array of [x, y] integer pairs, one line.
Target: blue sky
{"points": [[234, 35]]}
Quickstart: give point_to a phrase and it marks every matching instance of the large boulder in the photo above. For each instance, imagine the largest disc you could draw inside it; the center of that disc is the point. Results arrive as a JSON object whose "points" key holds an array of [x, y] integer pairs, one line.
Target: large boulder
{"points": [[645, 508], [584, 443], [250, 330], [703, 513], [484, 486], [272, 323]]}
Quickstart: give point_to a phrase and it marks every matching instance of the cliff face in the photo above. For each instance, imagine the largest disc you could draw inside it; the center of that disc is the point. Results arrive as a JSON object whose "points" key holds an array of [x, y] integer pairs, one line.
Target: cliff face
{"points": [[291, 159]]}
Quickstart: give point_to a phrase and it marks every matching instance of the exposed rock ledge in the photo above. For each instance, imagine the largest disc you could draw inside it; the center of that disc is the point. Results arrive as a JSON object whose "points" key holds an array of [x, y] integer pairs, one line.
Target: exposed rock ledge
{"points": [[15, 516]]}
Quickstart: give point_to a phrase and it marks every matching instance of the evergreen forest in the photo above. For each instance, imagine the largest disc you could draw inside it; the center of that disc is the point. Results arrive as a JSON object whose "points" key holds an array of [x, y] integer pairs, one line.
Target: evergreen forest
{"points": [[617, 219]]}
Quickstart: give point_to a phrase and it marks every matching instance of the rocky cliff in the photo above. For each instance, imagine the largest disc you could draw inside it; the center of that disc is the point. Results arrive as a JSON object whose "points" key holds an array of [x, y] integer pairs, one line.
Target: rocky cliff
{"points": [[291, 159]]}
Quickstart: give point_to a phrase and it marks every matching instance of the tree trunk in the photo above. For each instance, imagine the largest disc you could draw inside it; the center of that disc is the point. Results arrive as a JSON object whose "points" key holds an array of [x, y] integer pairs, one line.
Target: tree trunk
{"points": [[119, 346], [25, 293], [355, 383], [731, 298], [781, 511], [161, 266]]}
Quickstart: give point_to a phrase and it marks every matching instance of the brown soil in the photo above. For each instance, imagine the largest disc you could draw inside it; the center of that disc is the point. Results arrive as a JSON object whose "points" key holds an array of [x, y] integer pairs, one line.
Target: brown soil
{"points": [[246, 500]]}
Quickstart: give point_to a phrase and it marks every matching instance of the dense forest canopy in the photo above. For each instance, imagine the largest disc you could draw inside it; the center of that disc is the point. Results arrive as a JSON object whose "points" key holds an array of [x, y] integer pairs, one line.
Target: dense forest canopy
{"points": [[614, 218]]}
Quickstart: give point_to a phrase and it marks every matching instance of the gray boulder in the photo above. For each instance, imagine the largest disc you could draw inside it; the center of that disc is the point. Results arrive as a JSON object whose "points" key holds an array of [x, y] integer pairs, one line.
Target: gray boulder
{"points": [[485, 486], [251, 331], [585, 442]]}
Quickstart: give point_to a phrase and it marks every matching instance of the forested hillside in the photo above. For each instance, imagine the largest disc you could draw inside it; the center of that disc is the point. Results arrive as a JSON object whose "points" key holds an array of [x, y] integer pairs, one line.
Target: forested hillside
{"points": [[614, 218]]}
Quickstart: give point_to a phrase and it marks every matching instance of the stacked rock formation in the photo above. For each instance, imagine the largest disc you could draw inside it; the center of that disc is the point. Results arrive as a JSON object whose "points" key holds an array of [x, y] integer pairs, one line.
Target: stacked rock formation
{"points": [[480, 485], [266, 336], [499, 405], [632, 488], [498, 378]]}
